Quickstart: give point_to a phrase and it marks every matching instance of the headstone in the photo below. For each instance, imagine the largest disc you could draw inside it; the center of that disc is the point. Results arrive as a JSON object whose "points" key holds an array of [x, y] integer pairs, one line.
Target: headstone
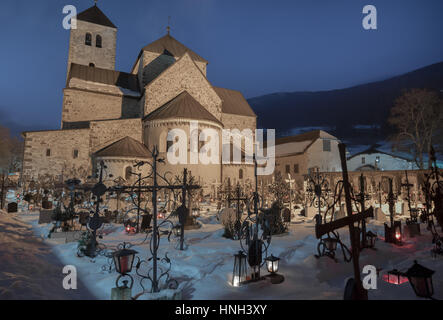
{"points": [[341, 213], [227, 215], [146, 222], [379, 215], [45, 216], [121, 293], [83, 218], [12, 207], [311, 212], [67, 236], [46, 204], [286, 214], [412, 229]]}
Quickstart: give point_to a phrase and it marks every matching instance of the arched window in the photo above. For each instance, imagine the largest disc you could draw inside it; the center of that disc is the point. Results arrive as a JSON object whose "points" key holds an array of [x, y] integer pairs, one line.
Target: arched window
{"points": [[240, 174], [98, 41], [88, 39], [91, 64], [162, 142], [128, 172]]}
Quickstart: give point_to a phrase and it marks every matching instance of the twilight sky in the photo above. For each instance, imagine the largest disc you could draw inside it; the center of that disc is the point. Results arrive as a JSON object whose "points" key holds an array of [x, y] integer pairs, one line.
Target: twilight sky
{"points": [[254, 46]]}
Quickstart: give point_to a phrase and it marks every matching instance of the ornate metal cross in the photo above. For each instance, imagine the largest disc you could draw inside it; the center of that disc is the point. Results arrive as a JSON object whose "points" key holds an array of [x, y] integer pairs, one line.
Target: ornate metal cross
{"points": [[358, 292]]}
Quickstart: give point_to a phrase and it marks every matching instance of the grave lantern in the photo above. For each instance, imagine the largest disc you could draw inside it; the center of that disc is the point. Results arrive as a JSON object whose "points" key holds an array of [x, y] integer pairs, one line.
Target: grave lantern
{"points": [[123, 260], [370, 239], [420, 278], [272, 264], [331, 243], [397, 234], [195, 212], [177, 230], [396, 277], [239, 272]]}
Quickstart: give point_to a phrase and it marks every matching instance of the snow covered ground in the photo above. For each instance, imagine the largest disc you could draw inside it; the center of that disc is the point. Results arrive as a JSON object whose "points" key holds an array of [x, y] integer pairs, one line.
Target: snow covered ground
{"points": [[204, 269]]}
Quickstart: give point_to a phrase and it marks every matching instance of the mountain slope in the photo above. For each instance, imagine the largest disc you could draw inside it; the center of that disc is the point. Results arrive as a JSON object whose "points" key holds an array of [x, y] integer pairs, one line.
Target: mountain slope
{"points": [[343, 109]]}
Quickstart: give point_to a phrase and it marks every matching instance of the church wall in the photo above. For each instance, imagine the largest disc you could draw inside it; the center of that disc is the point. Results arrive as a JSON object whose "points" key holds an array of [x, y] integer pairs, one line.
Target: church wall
{"points": [[82, 105], [104, 133], [155, 133], [61, 144], [83, 54], [235, 121], [231, 172], [183, 75]]}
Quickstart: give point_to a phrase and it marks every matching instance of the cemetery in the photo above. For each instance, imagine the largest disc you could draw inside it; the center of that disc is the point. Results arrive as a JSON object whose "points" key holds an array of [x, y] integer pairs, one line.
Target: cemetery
{"points": [[151, 245], [127, 173]]}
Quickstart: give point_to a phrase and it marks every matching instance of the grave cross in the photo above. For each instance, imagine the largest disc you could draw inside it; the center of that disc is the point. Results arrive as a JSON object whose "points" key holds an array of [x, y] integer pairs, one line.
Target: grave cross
{"points": [[358, 293], [362, 197], [408, 185], [237, 198], [291, 184]]}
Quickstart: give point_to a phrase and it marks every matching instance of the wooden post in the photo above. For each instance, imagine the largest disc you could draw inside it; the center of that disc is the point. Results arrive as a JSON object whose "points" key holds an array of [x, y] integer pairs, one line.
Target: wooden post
{"points": [[360, 293]]}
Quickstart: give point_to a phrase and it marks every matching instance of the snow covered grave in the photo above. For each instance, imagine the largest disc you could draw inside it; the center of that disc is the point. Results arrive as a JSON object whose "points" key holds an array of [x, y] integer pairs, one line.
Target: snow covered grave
{"points": [[204, 270]]}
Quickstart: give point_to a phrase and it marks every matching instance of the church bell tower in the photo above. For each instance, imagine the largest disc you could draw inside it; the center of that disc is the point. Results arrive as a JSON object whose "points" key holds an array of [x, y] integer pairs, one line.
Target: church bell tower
{"points": [[94, 41]]}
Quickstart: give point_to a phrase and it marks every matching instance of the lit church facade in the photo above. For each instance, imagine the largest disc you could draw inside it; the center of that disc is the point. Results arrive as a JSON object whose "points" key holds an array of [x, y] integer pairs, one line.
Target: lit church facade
{"points": [[118, 117]]}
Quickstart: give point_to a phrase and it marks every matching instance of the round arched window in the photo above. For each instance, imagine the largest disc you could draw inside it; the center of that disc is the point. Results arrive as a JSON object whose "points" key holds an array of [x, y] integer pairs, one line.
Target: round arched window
{"points": [[128, 173]]}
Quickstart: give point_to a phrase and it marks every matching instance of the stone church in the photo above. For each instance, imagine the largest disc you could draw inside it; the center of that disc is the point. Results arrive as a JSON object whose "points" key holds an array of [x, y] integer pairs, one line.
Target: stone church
{"points": [[118, 116]]}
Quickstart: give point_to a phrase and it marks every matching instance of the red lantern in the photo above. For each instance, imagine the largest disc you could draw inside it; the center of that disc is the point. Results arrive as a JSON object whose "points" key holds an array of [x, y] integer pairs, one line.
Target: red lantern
{"points": [[395, 277], [123, 260]]}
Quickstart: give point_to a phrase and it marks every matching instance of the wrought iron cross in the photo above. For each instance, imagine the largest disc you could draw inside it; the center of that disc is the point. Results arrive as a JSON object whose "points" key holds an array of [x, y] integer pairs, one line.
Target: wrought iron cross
{"points": [[359, 293]]}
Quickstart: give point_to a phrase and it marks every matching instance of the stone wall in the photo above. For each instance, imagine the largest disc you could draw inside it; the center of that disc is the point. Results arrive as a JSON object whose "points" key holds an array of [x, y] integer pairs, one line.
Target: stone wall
{"points": [[183, 75], [104, 133], [83, 105], [61, 144]]}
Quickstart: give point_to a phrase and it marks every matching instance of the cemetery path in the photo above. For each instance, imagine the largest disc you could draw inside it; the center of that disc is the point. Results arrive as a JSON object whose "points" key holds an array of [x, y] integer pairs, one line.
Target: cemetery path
{"points": [[28, 267]]}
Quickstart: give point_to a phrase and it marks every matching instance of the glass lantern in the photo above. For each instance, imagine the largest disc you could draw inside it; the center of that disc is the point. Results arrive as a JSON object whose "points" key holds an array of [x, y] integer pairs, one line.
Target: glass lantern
{"points": [[331, 243], [420, 278], [177, 230], [239, 272], [370, 238], [123, 260], [396, 277], [272, 264]]}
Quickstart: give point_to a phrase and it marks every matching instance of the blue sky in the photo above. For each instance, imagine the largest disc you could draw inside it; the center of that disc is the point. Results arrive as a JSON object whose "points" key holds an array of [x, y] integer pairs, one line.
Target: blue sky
{"points": [[254, 46]]}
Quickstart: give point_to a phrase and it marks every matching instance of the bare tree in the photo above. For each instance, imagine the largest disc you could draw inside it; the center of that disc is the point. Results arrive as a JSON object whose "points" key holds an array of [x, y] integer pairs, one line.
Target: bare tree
{"points": [[11, 151], [418, 119]]}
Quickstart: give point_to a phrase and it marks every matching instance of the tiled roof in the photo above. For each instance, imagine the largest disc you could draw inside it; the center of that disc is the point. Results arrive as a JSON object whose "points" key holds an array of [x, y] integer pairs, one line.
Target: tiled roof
{"points": [[105, 76], [234, 102], [182, 106], [95, 15], [126, 147], [157, 66], [173, 46]]}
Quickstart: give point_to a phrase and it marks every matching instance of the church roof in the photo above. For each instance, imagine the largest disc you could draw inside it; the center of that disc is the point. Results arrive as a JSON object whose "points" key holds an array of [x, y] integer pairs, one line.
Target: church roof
{"points": [[183, 106], [157, 66], [126, 147], [105, 76], [168, 43], [307, 136], [175, 47], [234, 102], [95, 15]]}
